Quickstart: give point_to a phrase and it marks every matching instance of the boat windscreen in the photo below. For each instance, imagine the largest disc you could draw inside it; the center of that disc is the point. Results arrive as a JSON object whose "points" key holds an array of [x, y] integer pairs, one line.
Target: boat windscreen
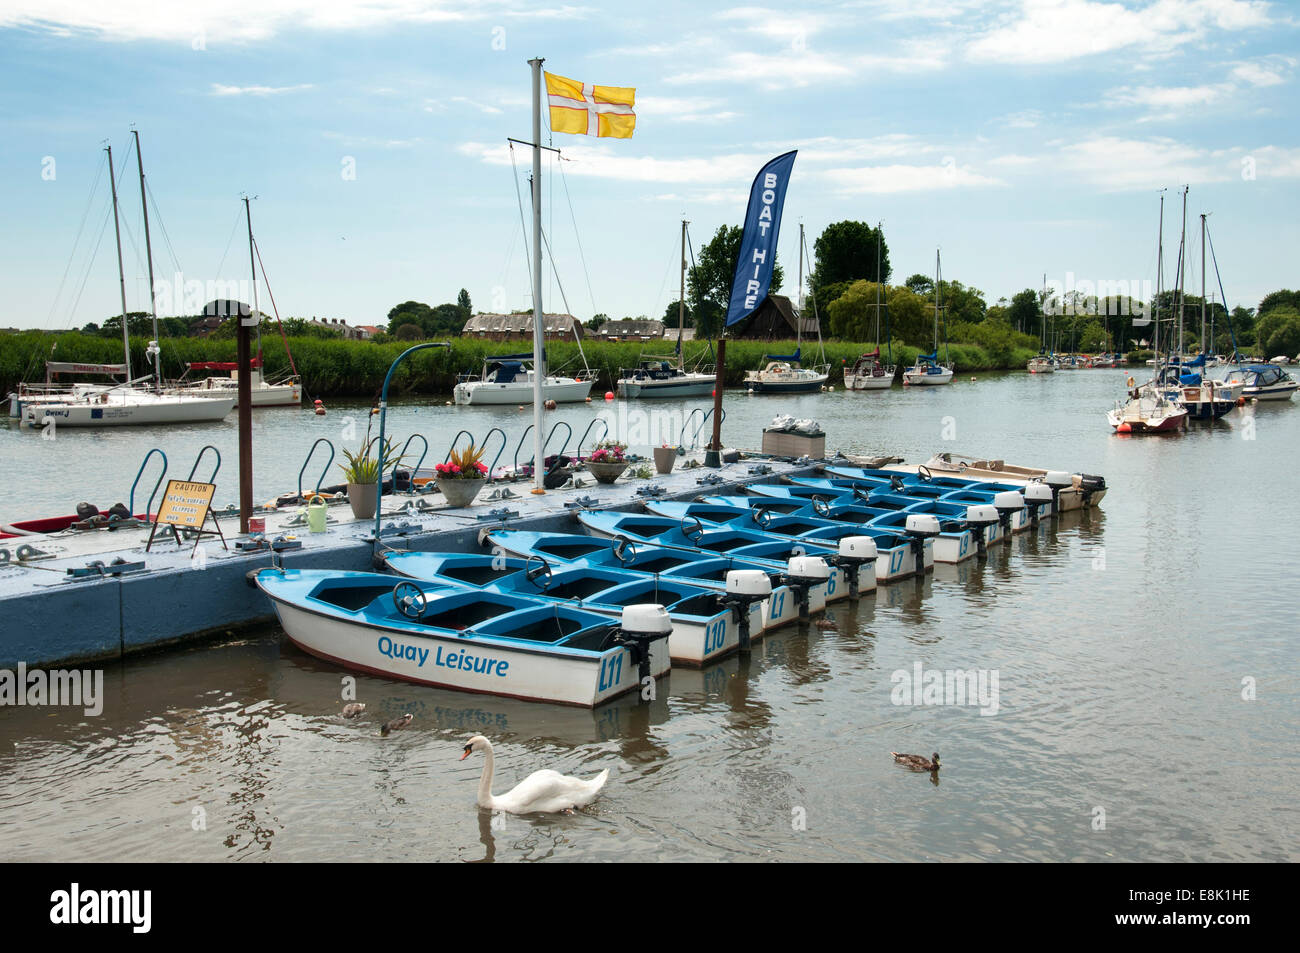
{"points": [[351, 597], [464, 615], [478, 574], [574, 550]]}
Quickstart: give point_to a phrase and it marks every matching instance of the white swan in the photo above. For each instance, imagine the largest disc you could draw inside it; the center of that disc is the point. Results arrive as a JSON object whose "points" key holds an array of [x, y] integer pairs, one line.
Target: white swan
{"points": [[542, 792]]}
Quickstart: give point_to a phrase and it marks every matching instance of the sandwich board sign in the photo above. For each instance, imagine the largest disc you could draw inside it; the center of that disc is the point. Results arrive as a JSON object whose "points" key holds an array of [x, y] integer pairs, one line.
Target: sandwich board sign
{"points": [[187, 505]]}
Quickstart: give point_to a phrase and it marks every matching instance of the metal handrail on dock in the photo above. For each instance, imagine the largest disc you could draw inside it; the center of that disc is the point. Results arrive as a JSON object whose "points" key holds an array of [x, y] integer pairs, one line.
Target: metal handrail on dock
{"points": [[310, 453], [139, 473], [216, 469]]}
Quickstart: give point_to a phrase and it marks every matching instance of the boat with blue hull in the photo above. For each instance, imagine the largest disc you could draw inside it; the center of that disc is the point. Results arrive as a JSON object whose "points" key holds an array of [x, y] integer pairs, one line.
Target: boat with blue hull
{"points": [[705, 569], [706, 626], [1009, 501], [896, 551], [470, 640], [743, 543]]}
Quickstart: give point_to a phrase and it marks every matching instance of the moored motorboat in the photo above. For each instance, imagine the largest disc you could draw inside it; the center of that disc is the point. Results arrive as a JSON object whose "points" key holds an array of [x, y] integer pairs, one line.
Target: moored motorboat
{"points": [[508, 379], [783, 374], [1262, 382], [465, 639]]}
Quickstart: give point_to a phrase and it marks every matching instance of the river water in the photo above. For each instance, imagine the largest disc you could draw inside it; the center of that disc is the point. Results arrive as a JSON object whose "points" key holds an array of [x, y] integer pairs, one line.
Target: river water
{"points": [[1144, 655]]}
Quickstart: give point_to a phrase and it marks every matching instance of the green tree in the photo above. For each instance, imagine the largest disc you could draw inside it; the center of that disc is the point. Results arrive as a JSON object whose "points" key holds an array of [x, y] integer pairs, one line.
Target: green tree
{"points": [[596, 321], [1278, 298], [961, 303], [463, 303], [443, 320], [920, 284], [1025, 314], [409, 332], [1276, 332], [846, 251], [852, 316], [411, 312], [911, 317], [671, 315]]}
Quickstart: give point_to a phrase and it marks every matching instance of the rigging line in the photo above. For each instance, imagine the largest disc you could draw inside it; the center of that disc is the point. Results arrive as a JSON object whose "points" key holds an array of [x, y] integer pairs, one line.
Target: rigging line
{"points": [[560, 285], [103, 230], [85, 217], [673, 260], [522, 224], [576, 234], [1222, 294], [257, 250], [229, 241], [167, 240], [820, 345]]}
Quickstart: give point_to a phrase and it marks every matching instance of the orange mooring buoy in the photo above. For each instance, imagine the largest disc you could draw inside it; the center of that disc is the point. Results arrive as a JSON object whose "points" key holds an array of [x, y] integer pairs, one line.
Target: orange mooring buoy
{"points": [[320, 409], [550, 404], [1124, 428]]}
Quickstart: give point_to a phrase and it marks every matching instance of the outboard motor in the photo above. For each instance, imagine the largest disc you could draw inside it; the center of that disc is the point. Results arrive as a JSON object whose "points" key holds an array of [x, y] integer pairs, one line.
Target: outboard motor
{"points": [[979, 518], [1006, 503], [801, 574], [640, 626], [1037, 496], [1090, 483], [1058, 481], [920, 527], [744, 588], [854, 553]]}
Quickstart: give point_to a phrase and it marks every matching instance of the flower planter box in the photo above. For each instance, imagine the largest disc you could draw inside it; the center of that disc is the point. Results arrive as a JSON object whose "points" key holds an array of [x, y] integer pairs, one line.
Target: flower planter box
{"points": [[606, 472], [460, 493], [780, 443], [364, 499], [665, 459]]}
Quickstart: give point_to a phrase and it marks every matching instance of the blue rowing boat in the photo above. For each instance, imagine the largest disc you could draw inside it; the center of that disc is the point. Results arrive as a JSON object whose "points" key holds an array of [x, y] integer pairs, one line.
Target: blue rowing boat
{"points": [[465, 639]]}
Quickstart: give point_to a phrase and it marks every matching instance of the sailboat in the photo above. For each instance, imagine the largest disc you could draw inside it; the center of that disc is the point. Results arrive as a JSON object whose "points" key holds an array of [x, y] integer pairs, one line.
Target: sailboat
{"points": [[867, 372], [927, 370], [97, 405], [263, 393], [1149, 409], [509, 379], [1043, 363], [783, 373], [656, 376]]}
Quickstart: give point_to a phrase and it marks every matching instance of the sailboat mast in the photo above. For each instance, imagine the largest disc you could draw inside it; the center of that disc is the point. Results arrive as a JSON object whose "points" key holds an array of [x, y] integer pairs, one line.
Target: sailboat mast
{"points": [[539, 340], [257, 314], [936, 304], [121, 275], [877, 286], [1203, 351], [1160, 275], [681, 300], [1182, 270], [148, 253]]}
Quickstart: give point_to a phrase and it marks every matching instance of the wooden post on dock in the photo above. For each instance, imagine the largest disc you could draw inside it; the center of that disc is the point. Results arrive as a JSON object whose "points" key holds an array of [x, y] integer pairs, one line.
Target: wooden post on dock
{"points": [[244, 357]]}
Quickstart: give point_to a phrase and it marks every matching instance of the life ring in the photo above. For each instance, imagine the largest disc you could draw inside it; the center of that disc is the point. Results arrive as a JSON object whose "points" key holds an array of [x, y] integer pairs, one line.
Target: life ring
{"points": [[1131, 382]]}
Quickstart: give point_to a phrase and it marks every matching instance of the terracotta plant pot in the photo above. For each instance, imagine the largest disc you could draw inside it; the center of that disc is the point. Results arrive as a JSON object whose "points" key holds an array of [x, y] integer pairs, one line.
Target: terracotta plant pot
{"points": [[665, 459], [460, 493], [364, 499], [606, 472]]}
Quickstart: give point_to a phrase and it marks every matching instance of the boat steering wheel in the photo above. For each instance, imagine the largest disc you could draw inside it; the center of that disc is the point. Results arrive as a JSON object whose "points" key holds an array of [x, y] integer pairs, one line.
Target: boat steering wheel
{"points": [[624, 550], [409, 599], [924, 473], [533, 573], [821, 506], [696, 529], [761, 516], [860, 494]]}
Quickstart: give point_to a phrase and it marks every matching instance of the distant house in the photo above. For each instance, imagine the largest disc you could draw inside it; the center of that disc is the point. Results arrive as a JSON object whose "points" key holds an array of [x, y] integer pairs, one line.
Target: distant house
{"points": [[630, 329], [340, 325], [776, 319], [501, 327], [367, 331]]}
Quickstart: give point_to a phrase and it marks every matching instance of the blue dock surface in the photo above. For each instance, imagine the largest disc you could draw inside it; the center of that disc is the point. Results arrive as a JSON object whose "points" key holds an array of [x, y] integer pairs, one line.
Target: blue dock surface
{"points": [[49, 617]]}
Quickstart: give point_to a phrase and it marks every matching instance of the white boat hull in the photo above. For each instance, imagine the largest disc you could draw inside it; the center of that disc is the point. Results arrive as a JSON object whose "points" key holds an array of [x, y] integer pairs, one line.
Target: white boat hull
{"points": [[867, 381], [688, 385], [118, 412], [531, 675], [921, 379], [562, 390]]}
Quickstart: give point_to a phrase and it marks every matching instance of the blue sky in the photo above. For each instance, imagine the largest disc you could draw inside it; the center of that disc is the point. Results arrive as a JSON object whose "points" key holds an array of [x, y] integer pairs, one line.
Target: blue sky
{"points": [[1021, 137]]}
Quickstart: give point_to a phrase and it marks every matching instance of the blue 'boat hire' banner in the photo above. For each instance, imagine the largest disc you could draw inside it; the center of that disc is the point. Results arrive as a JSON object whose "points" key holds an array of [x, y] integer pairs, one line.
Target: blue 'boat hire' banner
{"points": [[758, 244]]}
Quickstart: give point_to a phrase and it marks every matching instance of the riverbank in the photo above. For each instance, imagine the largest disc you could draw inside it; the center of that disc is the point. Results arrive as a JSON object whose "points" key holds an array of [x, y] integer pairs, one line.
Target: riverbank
{"points": [[343, 368]]}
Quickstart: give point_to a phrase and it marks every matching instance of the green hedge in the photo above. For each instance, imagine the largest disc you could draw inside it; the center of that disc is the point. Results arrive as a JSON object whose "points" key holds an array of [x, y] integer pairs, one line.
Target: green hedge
{"points": [[339, 368]]}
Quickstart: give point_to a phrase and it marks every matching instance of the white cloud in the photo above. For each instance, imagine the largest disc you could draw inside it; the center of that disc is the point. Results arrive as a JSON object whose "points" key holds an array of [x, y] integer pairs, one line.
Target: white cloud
{"points": [[599, 162], [250, 20], [220, 90], [1167, 97], [1054, 31], [1117, 164], [685, 109], [906, 178], [1270, 71]]}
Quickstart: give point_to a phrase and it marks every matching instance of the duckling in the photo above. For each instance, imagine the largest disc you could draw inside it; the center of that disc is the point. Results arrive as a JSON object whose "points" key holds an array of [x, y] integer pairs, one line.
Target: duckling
{"points": [[916, 762], [397, 724], [827, 624], [352, 709]]}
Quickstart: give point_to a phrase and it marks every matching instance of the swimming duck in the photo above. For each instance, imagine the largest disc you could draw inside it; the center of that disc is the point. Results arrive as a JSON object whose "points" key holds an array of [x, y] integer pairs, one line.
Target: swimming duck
{"points": [[352, 709], [916, 762], [542, 792], [397, 724]]}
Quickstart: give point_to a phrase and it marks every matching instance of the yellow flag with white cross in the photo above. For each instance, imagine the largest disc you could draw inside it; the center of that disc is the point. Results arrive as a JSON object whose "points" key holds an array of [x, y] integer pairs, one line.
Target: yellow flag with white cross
{"points": [[584, 109]]}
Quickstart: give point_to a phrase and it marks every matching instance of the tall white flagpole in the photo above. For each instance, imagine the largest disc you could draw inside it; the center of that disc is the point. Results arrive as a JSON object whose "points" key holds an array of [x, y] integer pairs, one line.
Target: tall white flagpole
{"points": [[539, 329]]}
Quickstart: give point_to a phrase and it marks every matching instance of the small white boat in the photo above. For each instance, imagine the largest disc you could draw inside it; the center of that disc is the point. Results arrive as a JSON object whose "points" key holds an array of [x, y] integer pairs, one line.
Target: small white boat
{"points": [[1262, 382], [508, 379], [868, 373], [659, 378], [1148, 413], [783, 374], [1041, 365], [122, 406], [263, 393], [467, 640]]}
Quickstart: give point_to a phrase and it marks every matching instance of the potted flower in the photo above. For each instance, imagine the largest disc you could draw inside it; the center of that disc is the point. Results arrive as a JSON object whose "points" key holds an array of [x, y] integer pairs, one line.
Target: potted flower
{"points": [[608, 461], [462, 476], [362, 475], [665, 457]]}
